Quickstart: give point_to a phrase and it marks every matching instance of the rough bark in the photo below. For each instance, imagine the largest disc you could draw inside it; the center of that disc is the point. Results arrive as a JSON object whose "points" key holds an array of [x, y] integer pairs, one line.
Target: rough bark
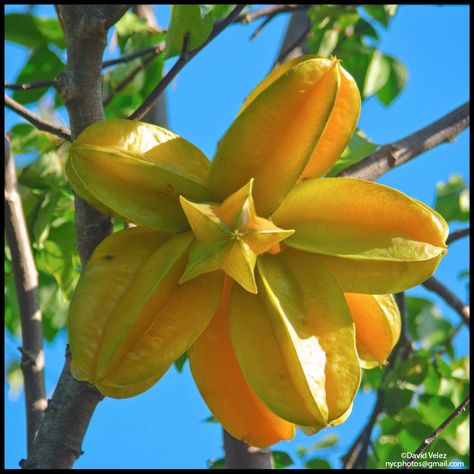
{"points": [[26, 285], [239, 455], [59, 441]]}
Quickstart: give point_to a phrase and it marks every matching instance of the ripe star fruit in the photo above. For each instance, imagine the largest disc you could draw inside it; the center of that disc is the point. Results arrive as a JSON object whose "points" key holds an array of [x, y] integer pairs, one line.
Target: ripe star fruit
{"points": [[275, 280]]}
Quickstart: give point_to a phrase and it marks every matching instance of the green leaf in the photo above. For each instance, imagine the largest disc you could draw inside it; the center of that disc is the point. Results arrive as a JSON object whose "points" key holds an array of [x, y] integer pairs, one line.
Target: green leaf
{"points": [[129, 25], [53, 305], [413, 435], [51, 30], [59, 256], [45, 174], [435, 408], [396, 399], [364, 28], [452, 199], [395, 83], [326, 442], [180, 361], [43, 217], [210, 419], [24, 138], [413, 370], [371, 379], [14, 379], [358, 148], [348, 18], [377, 75], [187, 19], [12, 310], [356, 59], [425, 322], [317, 464], [217, 463], [381, 13], [221, 11], [42, 65], [281, 459], [32, 31], [22, 29], [328, 42], [389, 426]]}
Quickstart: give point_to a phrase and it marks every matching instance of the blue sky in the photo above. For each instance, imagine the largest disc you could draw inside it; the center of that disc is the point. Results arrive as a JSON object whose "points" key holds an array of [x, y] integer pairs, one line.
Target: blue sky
{"points": [[163, 427]]}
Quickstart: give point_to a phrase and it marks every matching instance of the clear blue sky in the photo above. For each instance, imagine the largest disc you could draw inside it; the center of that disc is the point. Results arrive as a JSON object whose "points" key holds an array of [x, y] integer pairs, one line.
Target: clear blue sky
{"points": [[163, 427]]}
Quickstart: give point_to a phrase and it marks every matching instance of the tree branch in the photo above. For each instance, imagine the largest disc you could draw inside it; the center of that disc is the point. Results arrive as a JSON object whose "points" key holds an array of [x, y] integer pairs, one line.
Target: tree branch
{"points": [[239, 455], [184, 58], [26, 285], [451, 299], [246, 18], [439, 430], [456, 235], [390, 156], [59, 440], [40, 124]]}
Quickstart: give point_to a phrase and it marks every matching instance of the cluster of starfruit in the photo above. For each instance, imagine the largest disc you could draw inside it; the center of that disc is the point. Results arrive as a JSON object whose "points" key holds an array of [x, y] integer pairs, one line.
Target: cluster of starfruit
{"points": [[276, 281]]}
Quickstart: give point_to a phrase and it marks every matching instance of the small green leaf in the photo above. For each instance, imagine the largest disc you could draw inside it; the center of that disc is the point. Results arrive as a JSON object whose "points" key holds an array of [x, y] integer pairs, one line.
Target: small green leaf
{"points": [[14, 379], [326, 442], [396, 399], [371, 379], [45, 174], [42, 65], [395, 83], [180, 361], [210, 419], [413, 435], [317, 464], [364, 28], [452, 199], [21, 28], [187, 19], [129, 25], [377, 75], [328, 42], [380, 13], [358, 148], [24, 138], [281, 459], [216, 463], [51, 30], [221, 11]]}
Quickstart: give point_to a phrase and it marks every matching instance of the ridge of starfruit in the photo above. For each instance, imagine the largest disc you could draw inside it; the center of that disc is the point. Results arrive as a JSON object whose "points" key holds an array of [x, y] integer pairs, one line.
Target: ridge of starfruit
{"points": [[276, 281]]}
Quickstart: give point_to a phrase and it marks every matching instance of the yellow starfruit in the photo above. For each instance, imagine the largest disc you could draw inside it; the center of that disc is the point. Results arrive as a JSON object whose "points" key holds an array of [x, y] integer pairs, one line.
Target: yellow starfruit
{"points": [[276, 281]]}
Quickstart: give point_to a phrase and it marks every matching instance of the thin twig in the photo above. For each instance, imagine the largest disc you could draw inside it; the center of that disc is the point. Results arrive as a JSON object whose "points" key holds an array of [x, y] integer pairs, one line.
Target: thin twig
{"points": [[458, 234], [154, 50], [438, 431], [246, 18], [26, 285], [390, 156], [451, 299], [183, 59], [262, 25], [29, 86], [40, 124]]}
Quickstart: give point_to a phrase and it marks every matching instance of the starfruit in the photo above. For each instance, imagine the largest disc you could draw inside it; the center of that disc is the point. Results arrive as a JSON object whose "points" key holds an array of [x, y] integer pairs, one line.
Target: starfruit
{"points": [[129, 320], [136, 171], [276, 281]]}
